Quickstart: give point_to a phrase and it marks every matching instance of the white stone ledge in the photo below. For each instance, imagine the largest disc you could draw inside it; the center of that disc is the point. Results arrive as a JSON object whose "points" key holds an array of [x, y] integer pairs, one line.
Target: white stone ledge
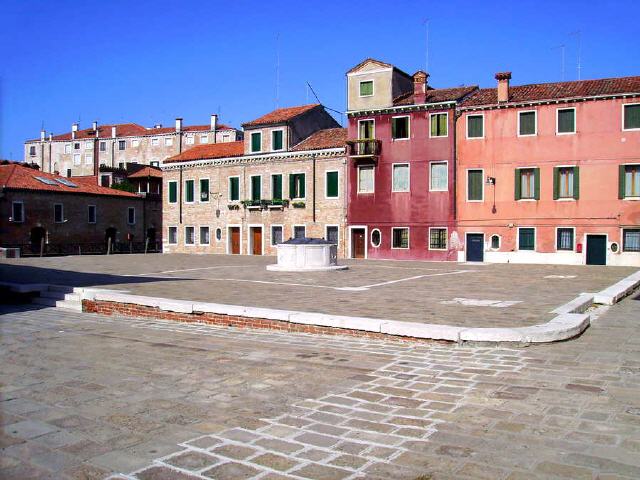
{"points": [[577, 305], [422, 330], [618, 291]]}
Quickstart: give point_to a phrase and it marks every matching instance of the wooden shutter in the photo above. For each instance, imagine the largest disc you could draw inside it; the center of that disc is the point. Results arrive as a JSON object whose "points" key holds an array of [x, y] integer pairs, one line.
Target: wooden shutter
{"points": [[621, 185], [576, 183], [302, 192], [276, 187], [292, 186], [536, 180], [518, 185], [332, 184], [394, 128], [556, 183], [173, 192]]}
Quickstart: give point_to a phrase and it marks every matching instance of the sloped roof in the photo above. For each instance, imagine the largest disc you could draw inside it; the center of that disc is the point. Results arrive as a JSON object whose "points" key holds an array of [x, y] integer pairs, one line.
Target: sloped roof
{"points": [[436, 95], [147, 172], [209, 151], [281, 115], [557, 90], [327, 138], [379, 64], [17, 177]]}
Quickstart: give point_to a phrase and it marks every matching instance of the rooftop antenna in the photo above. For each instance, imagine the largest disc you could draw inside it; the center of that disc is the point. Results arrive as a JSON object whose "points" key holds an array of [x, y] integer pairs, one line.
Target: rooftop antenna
{"points": [[578, 35], [324, 106], [277, 69], [425, 22], [562, 49]]}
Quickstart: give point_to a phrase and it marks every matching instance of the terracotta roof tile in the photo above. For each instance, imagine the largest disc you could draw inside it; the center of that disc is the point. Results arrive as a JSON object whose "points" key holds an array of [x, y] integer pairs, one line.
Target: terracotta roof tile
{"points": [[436, 95], [557, 90], [209, 151], [17, 177], [147, 172], [281, 115], [327, 138]]}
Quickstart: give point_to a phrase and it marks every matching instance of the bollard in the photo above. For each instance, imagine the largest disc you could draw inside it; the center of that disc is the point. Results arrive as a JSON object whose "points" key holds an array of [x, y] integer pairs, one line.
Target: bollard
{"points": [[41, 246], [146, 245], [109, 246]]}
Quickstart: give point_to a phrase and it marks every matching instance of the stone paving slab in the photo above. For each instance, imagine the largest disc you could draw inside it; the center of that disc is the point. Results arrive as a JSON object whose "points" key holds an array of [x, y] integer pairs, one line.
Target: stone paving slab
{"points": [[442, 293]]}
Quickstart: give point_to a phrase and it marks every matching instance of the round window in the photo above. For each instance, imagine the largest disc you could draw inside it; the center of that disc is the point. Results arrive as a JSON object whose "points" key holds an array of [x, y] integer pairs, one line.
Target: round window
{"points": [[614, 247], [218, 234], [376, 237]]}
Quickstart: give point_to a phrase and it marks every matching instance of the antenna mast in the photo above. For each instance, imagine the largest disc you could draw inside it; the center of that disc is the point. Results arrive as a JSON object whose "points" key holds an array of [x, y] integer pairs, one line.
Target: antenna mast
{"points": [[562, 49], [426, 59], [277, 69], [578, 35]]}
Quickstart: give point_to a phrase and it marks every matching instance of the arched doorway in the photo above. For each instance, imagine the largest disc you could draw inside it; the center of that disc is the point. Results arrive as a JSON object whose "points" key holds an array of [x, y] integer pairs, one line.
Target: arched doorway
{"points": [[37, 239], [110, 234]]}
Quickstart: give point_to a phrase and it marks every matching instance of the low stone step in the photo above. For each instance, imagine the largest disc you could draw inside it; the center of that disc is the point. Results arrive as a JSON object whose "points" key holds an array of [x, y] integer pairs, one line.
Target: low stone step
{"points": [[61, 288], [69, 305], [58, 303], [49, 302], [53, 294]]}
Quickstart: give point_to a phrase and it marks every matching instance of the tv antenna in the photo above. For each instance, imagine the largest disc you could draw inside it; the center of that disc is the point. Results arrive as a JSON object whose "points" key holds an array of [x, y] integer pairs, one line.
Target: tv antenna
{"points": [[578, 35], [425, 22], [562, 50], [277, 69]]}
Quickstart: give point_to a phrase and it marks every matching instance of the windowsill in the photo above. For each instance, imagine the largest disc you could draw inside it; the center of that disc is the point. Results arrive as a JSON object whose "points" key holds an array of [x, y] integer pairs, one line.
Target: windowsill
{"points": [[443, 190], [528, 135], [565, 133], [399, 248], [475, 201], [437, 249], [400, 191], [632, 199], [631, 129], [393, 140], [439, 136], [475, 138], [565, 199], [527, 200], [366, 193]]}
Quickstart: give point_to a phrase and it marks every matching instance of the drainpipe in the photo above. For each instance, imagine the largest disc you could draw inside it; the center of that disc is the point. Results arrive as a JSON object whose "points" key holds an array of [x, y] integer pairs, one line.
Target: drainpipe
{"points": [[313, 157], [180, 195], [456, 116], [50, 150]]}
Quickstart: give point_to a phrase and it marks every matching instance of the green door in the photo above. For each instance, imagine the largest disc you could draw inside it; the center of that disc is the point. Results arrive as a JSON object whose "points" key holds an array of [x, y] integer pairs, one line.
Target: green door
{"points": [[596, 249]]}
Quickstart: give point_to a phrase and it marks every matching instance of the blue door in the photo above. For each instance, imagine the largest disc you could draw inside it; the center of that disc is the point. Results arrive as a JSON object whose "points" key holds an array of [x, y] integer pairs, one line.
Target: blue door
{"points": [[475, 247], [596, 249]]}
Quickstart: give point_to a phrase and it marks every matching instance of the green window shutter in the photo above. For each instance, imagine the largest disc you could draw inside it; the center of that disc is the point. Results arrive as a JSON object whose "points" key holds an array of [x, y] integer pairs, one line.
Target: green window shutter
{"points": [[256, 188], [518, 185], [256, 142], [276, 140], [234, 188], [332, 184], [536, 184], [204, 190], [302, 185], [556, 183], [189, 194], [566, 120], [631, 116], [173, 192], [442, 125], [621, 185], [276, 187], [434, 125], [292, 186], [366, 88], [576, 182], [393, 128]]}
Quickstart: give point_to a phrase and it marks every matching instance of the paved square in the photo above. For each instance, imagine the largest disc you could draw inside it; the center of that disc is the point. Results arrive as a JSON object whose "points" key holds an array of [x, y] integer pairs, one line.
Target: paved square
{"points": [[466, 295], [85, 396]]}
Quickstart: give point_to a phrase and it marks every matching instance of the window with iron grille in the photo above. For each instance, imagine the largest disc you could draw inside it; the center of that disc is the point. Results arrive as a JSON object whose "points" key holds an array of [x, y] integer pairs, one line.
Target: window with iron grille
{"points": [[631, 240], [276, 234], [564, 239], [189, 235], [526, 238], [204, 235], [437, 239], [173, 235], [400, 237]]}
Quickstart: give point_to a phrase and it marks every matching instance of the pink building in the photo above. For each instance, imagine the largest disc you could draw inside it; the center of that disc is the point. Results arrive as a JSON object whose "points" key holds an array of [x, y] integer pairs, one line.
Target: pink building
{"points": [[401, 172], [550, 173]]}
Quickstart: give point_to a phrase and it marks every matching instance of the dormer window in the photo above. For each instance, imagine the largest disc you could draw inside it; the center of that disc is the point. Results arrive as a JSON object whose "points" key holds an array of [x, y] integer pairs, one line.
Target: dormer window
{"points": [[366, 88], [276, 140], [256, 142]]}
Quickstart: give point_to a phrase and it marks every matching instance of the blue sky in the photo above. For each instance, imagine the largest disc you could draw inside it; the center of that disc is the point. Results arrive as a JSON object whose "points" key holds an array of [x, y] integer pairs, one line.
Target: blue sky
{"points": [[149, 62]]}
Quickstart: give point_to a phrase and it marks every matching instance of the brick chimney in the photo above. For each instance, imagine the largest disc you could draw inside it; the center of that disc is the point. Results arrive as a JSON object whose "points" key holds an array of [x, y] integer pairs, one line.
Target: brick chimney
{"points": [[503, 86], [74, 130], [420, 86], [178, 124]]}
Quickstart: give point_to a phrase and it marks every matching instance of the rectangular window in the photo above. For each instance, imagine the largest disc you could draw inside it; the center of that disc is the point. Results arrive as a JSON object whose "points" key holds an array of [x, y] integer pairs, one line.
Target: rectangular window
{"points": [[437, 239], [58, 213], [297, 185], [565, 182], [564, 239], [332, 234], [276, 140], [527, 184], [399, 128], [131, 215], [526, 123], [76, 159], [204, 138], [256, 142], [189, 191], [234, 189], [204, 189], [439, 177], [366, 179], [105, 181], [631, 117], [88, 145], [475, 185], [189, 235], [366, 129], [331, 185], [256, 187], [276, 186], [91, 214], [32, 150], [439, 125], [629, 181], [154, 142], [168, 141], [400, 181], [190, 140], [204, 235], [399, 238], [68, 172], [566, 121], [631, 240], [173, 235], [154, 163], [366, 88], [526, 238], [122, 144], [103, 146], [76, 146], [475, 126], [67, 148], [88, 159], [173, 192], [136, 142], [17, 212], [299, 231], [276, 234]]}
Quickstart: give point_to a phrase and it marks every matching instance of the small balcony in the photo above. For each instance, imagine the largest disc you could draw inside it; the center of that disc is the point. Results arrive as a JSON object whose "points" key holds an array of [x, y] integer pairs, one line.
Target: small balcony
{"points": [[366, 148]]}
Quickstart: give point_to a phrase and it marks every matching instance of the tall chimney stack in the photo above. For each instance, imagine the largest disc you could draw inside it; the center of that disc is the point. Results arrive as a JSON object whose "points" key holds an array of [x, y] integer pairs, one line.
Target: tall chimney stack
{"points": [[43, 134], [74, 130], [214, 125], [503, 86], [94, 126], [113, 132], [51, 137], [178, 124], [420, 86]]}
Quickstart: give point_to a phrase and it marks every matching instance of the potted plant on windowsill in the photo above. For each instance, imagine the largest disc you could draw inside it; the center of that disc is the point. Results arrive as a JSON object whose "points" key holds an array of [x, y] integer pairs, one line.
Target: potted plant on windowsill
{"points": [[233, 206], [278, 203], [298, 204], [252, 204]]}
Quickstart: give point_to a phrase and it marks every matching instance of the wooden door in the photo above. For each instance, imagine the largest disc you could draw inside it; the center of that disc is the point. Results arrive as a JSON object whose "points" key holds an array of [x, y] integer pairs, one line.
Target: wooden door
{"points": [[596, 249], [234, 238], [358, 243], [256, 240], [475, 247]]}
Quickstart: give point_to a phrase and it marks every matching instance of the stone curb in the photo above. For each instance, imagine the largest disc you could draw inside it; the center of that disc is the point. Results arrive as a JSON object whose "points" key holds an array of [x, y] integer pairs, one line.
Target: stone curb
{"points": [[618, 291]]}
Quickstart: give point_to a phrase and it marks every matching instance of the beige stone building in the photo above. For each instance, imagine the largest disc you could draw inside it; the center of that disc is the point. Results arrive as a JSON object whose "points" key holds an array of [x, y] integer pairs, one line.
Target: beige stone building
{"points": [[286, 179], [84, 152]]}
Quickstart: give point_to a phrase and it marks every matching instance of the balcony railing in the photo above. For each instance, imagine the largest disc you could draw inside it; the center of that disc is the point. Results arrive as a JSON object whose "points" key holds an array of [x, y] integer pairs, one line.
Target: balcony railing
{"points": [[363, 148]]}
